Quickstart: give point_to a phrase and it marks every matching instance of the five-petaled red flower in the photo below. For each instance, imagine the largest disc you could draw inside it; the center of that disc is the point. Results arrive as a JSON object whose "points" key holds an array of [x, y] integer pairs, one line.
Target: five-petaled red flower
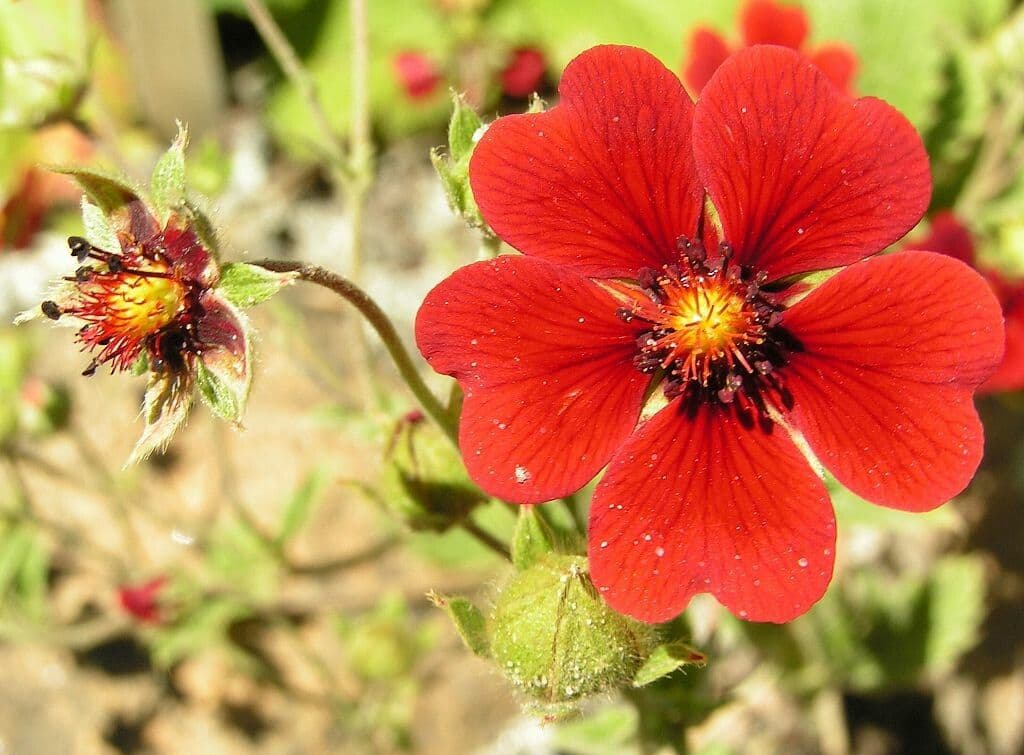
{"points": [[555, 349], [949, 236], [765, 22]]}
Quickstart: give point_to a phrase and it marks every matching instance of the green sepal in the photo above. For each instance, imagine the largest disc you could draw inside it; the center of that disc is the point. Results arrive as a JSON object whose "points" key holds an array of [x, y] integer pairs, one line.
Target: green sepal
{"points": [[246, 285], [204, 228], [107, 191], [532, 539], [462, 128], [167, 183], [97, 229], [223, 376], [140, 366], [165, 408], [469, 622], [665, 659]]}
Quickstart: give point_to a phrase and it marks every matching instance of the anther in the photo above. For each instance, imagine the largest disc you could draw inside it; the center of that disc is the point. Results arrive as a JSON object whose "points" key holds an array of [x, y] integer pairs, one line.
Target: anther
{"points": [[83, 273], [80, 247], [624, 314], [91, 369], [115, 264], [764, 367], [51, 309]]}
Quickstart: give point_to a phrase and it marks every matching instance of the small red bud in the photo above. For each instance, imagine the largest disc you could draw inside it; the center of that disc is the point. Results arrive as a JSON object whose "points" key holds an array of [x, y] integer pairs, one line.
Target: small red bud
{"points": [[141, 601], [417, 74], [524, 72]]}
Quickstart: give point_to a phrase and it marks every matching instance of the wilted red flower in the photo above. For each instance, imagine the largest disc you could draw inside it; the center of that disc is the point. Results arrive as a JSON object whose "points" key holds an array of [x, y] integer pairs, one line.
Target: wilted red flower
{"points": [[555, 350], [949, 236], [142, 601], [417, 74], [524, 72], [153, 296], [765, 22]]}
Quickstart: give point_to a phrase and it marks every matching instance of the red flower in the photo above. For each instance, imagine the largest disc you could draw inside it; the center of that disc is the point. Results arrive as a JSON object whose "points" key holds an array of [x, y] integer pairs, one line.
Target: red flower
{"points": [[417, 74], [949, 236], [142, 601], [154, 296], [555, 349], [767, 22], [524, 72]]}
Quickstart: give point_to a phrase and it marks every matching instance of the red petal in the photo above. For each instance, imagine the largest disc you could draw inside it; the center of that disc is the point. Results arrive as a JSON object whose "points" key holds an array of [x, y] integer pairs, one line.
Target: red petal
{"points": [[605, 181], [893, 350], [947, 236], [699, 503], [839, 63], [546, 368], [803, 177], [417, 74], [764, 22], [1009, 376], [707, 51]]}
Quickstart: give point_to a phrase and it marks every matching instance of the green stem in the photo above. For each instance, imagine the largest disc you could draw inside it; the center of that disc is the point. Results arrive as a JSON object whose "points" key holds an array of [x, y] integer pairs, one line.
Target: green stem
{"points": [[382, 324], [285, 56], [486, 538]]}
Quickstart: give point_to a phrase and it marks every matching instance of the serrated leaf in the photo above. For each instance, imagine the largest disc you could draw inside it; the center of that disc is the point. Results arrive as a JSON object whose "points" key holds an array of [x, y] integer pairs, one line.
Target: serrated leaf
{"points": [[97, 229], [469, 622], [532, 540], [665, 659], [462, 128], [165, 408], [302, 503], [246, 285], [168, 181]]}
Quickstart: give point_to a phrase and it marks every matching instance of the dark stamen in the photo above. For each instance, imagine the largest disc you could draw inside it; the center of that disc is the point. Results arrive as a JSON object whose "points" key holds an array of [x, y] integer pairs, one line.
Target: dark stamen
{"points": [[51, 309], [80, 247]]}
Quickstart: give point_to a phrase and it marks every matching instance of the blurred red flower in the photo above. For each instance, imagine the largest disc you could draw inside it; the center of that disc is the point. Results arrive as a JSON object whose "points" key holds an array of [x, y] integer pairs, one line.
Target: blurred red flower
{"points": [[142, 601], [767, 22], [951, 237], [417, 74], [524, 72], [555, 349]]}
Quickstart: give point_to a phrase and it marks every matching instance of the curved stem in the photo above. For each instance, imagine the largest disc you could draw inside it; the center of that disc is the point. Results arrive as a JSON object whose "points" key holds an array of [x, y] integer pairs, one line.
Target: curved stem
{"points": [[381, 323]]}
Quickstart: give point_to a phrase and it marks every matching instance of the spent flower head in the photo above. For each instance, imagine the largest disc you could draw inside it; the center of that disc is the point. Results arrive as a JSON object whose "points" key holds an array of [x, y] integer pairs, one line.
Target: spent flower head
{"points": [[629, 281], [148, 295]]}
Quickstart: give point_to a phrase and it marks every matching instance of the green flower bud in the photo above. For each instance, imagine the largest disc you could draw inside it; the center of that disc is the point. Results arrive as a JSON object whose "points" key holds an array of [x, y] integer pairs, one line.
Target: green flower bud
{"points": [[425, 483], [556, 640]]}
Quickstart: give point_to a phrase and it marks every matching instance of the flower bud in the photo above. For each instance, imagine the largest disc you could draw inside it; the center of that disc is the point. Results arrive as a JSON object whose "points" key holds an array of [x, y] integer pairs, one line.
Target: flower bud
{"points": [[425, 483], [555, 638]]}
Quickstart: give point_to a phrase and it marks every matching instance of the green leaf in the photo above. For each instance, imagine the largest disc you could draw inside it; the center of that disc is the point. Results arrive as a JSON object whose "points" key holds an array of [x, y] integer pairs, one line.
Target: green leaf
{"points": [[468, 620], [532, 540], [462, 128], [302, 503], [246, 285], [97, 230], [665, 659], [608, 731], [168, 181]]}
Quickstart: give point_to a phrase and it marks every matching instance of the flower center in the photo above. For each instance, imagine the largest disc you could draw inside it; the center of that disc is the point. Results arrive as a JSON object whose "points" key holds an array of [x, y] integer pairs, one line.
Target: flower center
{"points": [[713, 332], [128, 302]]}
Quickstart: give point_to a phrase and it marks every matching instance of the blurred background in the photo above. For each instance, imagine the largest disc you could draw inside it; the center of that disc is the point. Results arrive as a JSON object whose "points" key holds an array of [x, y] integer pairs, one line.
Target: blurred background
{"points": [[264, 590]]}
